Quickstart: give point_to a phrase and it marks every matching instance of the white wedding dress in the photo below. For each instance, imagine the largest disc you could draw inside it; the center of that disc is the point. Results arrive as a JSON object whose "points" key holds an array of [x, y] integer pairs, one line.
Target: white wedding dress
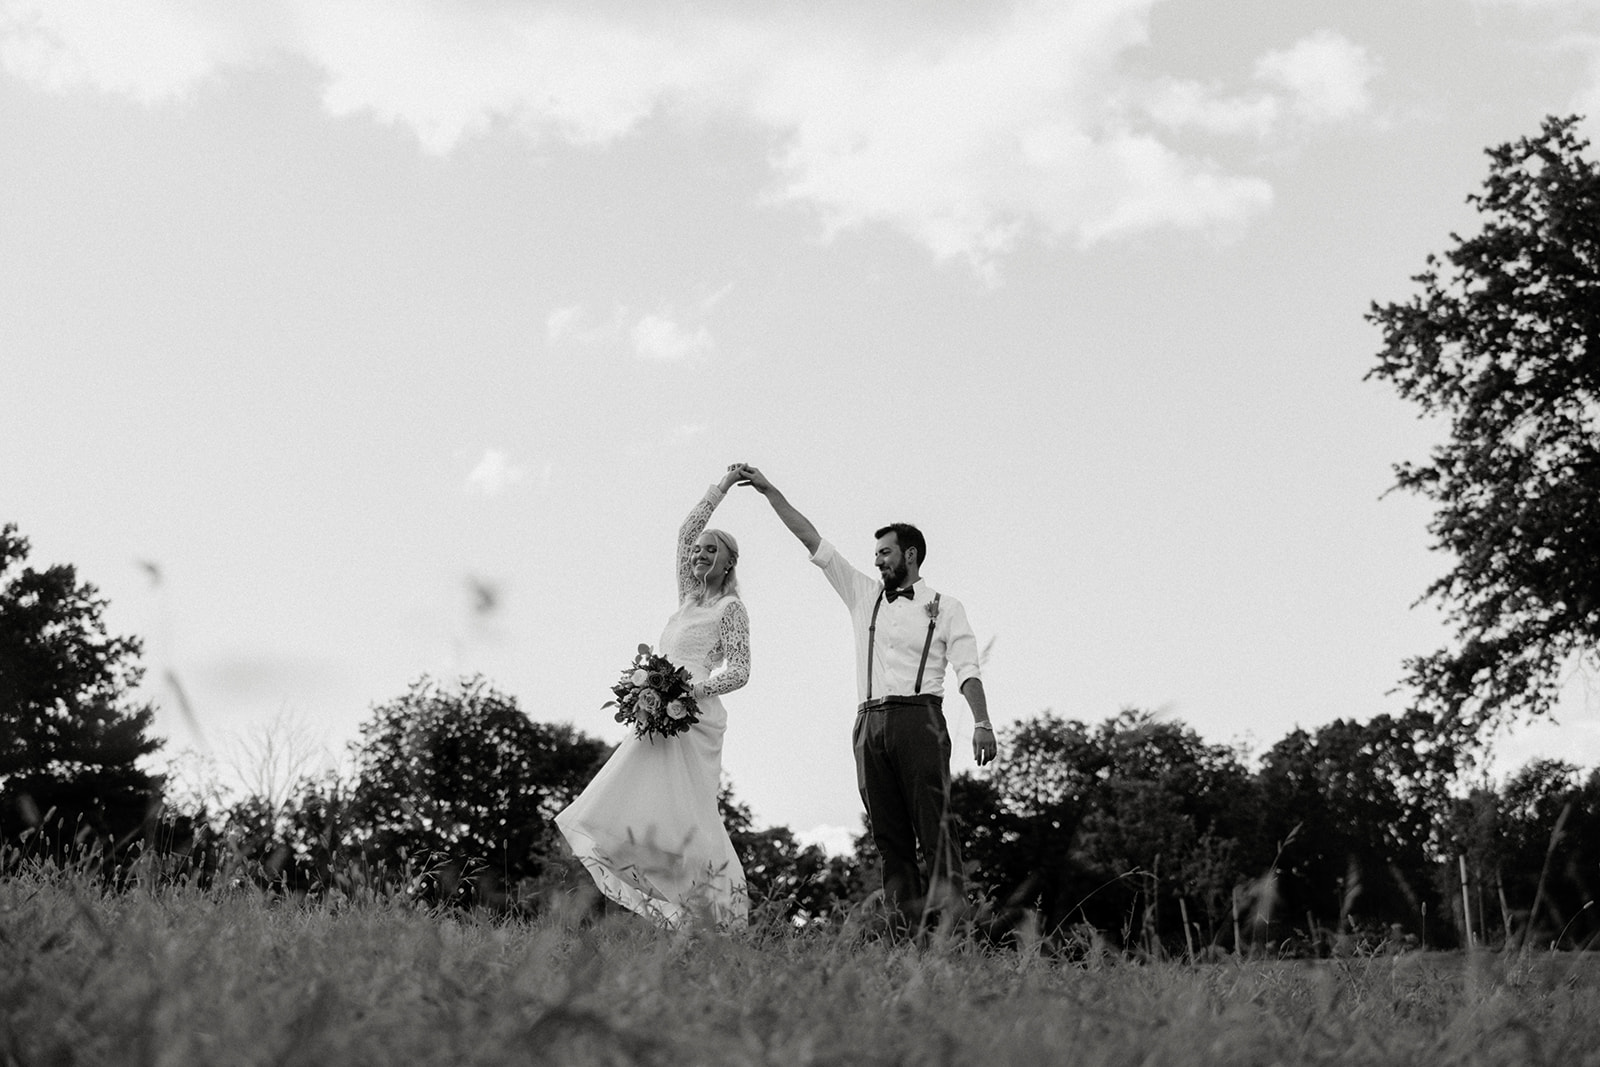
{"points": [[647, 826]]}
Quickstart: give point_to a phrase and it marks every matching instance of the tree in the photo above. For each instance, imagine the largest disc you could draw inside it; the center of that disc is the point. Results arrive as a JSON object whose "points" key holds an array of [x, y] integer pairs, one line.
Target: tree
{"points": [[1112, 826], [1504, 343], [71, 733], [1020, 821], [1531, 850], [1366, 805], [459, 782]]}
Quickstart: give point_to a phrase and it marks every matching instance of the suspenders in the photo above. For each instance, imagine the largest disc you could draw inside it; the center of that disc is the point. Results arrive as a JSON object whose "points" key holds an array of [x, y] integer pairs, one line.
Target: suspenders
{"points": [[927, 642], [872, 635]]}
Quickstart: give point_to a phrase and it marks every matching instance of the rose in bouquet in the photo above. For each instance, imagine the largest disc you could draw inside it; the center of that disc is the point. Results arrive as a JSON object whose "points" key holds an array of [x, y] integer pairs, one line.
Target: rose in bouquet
{"points": [[653, 696]]}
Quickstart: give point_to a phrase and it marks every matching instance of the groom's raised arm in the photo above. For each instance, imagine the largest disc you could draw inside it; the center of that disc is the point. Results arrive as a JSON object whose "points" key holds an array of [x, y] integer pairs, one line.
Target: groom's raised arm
{"points": [[797, 523]]}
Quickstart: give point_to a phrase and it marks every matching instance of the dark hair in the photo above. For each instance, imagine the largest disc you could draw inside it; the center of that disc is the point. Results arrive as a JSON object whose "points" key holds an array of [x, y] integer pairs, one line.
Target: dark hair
{"points": [[908, 537]]}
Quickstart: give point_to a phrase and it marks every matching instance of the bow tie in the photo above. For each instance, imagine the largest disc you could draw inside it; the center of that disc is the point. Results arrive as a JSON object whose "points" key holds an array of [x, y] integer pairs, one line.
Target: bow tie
{"points": [[891, 595]]}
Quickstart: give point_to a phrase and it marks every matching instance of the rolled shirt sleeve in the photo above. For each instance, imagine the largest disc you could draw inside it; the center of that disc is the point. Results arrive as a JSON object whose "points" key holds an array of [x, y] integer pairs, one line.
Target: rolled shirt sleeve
{"points": [[961, 644], [853, 587]]}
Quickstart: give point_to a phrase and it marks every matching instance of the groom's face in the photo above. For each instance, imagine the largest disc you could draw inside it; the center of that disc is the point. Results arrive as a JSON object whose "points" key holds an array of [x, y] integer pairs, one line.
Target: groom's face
{"points": [[891, 560]]}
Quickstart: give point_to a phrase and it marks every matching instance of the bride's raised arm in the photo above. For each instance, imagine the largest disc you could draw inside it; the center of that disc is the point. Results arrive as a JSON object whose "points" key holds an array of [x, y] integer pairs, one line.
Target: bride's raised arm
{"points": [[693, 526]]}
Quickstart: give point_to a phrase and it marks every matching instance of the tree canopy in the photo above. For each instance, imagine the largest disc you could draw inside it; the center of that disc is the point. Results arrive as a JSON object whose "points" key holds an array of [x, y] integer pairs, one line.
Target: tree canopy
{"points": [[66, 685], [1087, 824], [1503, 342], [459, 777], [71, 730], [1360, 804]]}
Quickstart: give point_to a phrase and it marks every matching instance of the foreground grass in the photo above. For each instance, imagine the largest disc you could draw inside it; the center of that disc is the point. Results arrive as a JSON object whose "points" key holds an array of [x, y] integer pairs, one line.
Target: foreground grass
{"points": [[183, 977]]}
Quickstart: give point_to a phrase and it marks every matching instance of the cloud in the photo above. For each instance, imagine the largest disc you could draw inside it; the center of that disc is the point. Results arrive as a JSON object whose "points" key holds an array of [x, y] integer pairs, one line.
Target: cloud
{"points": [[148, 51], [494, 473], [1323, 78], [1023, 126], [687, 431], [563, 323], [1178, 104], [968, 131], [576, 325], [660, 338], [668, 336], [1327, 76]]}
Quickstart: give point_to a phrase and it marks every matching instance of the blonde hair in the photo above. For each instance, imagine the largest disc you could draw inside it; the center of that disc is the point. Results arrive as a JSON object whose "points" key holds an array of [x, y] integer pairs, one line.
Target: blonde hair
{"points": [[730, 580]]}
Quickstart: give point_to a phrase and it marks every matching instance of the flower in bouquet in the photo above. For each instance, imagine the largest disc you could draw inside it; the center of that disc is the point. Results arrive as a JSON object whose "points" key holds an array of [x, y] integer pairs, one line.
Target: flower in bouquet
{"points": [[654, 696]]}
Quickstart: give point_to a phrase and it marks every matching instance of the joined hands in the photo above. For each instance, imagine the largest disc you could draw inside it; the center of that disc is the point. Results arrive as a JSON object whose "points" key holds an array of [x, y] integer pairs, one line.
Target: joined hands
{"points": [[745, 474]]}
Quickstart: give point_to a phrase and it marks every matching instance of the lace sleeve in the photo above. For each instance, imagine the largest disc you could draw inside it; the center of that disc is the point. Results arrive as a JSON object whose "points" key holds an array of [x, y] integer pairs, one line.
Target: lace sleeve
{"points": [[735, 669], [689, 534]]}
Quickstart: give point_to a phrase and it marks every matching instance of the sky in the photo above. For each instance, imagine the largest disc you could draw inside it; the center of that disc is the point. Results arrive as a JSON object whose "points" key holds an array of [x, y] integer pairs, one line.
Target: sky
{"points": [[345, 342]]}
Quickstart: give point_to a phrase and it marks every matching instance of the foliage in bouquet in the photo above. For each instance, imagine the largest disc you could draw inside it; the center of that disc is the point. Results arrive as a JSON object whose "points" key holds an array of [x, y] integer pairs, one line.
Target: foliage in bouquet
{"points": [[653, 696]]}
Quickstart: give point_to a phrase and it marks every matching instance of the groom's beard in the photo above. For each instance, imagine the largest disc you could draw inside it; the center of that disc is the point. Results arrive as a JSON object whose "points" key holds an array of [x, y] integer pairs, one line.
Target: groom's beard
{"points": [[894, 579]]}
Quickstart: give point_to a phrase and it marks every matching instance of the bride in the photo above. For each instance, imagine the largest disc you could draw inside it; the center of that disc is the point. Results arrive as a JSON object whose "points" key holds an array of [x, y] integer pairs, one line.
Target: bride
{"points": [[647, 826]]}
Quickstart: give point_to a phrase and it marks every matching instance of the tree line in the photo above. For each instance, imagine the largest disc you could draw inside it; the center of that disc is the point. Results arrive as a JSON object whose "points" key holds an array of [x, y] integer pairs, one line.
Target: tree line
{"points": [[1132, 833]]}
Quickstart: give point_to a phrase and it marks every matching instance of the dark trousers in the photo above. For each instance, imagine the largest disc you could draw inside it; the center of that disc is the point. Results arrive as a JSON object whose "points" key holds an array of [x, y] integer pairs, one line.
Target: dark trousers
{"points": [[903, 773]]}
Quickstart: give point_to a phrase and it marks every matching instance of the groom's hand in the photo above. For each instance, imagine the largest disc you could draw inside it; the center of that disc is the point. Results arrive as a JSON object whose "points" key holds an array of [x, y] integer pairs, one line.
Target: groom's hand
{"points": [[753, 477]]}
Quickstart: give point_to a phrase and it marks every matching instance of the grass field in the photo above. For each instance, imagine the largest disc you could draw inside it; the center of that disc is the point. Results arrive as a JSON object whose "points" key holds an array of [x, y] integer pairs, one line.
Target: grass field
{"points": [[179, 976]]}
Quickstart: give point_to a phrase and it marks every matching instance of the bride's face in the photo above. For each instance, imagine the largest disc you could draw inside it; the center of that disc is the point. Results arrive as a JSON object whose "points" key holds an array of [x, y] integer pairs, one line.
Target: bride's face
{"points": [[709, 560]]}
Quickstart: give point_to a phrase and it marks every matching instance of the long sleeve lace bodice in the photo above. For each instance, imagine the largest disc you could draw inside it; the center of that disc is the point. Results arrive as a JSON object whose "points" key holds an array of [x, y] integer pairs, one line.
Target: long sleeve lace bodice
{"points": [[712, 640]]}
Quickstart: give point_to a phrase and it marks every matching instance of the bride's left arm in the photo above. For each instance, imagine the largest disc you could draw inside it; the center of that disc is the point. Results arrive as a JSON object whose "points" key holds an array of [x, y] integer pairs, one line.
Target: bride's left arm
{"points": [[735, 669], [693, 526]]}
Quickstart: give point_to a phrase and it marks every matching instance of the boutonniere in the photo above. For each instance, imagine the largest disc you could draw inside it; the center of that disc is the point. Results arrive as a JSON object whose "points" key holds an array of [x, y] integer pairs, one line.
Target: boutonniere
{"points": [[932, 608]]}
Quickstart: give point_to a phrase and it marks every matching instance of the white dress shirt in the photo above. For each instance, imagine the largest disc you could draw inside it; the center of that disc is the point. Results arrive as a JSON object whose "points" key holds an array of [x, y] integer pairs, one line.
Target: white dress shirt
{"points": [[902, 629]]}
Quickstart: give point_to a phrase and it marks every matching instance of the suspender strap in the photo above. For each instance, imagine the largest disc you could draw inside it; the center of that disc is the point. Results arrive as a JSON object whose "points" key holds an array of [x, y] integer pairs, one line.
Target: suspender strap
{"points": [[872, 633], [927, 643]]}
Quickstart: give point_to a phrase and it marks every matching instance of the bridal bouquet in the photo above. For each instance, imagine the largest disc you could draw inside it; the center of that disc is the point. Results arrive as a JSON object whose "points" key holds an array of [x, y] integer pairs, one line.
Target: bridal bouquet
{"points": [[653, 696]]}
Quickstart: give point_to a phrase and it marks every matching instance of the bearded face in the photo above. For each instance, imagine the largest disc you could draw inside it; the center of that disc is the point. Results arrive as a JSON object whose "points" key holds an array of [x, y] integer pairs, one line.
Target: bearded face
{"points": [[891, 561]]}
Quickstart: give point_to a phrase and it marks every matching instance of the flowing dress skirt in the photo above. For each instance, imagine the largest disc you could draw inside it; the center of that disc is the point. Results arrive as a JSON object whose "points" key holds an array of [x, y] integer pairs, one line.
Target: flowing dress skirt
{"points": [[648, 829]]}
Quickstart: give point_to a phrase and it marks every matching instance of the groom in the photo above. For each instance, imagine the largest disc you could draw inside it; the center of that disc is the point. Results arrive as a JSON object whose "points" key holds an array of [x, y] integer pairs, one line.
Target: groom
{"points": [[906, 635]]}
